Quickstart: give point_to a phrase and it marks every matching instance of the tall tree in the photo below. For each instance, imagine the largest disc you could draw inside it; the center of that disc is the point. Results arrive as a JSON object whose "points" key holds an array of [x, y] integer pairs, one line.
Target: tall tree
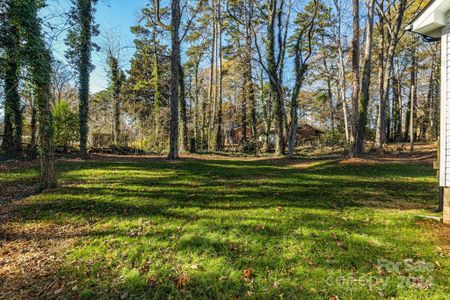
{"points": [[175, 61], [183, 113], [79, 40], [195, 54], [219, 126], [413, 95], [364, 97], [303, 49], [393, 24], [381, 62], [342, 82], [117, 79], [11, 60], [355, 74], [39, 62], [271, 67]]}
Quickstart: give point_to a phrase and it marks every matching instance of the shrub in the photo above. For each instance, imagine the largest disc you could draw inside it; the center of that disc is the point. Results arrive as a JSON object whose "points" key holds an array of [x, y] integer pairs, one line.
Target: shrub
{"points": [[332, 139], [65, 124]]}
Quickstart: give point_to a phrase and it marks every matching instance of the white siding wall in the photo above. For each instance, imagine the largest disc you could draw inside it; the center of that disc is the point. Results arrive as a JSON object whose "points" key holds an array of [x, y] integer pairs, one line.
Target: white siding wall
{"points": [[445, 105]]}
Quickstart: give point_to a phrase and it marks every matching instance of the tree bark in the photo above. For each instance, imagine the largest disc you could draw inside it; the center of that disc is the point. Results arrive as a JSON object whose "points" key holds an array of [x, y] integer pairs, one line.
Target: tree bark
{"points": [[382, 122], [156, 100], [219, 137], [33, 126], [39, 60], [381, 102], [11, 134], [300, 67], [342, 84], [436, 91], [428, 105], [183, 113], [355, 77], [397, 109], [211, 72], [413, 95], [84, 73], [274, 78], [175, 78], [364, 96], [197, 133], [116, 87]]}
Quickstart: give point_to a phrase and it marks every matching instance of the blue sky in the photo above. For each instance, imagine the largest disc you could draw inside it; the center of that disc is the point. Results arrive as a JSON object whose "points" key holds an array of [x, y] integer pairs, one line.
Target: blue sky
{"points": [[113, 16]]}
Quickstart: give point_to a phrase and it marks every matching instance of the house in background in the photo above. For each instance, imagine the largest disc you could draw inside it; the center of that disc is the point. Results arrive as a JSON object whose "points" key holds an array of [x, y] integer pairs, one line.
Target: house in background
{"points": [[434, 24], [305, 134], [234, 135]]}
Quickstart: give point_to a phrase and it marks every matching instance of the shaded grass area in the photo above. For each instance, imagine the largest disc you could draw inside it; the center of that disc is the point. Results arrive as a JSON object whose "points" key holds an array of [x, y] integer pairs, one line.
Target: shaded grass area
{"points": [[242, 229]]}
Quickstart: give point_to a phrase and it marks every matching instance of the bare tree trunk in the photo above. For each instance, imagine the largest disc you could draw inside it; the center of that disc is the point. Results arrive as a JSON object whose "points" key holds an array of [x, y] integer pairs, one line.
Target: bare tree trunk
{"points": [[33, 126], [434, 126], [204, 124], [274, 78], [197, 134], [301, 66], [397, 101], [330, 101], [183, 112], [428, 105], [12, 102], [175, 79], [157, 95], [381, 101], [244, 96], [395, 29], [211, 71], [342, 74], [328, 82], [116, 82], [219, 138], [364, 96], [355, 77], [267, 114], [413, 95]]}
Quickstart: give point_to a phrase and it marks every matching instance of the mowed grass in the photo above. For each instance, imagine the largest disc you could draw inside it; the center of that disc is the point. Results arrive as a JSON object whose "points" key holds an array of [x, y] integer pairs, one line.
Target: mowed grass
{"points": [[227, 229]]}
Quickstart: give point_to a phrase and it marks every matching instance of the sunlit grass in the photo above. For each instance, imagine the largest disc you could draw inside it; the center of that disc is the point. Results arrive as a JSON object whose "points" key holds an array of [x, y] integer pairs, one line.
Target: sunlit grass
{"points": [[242, 229]]}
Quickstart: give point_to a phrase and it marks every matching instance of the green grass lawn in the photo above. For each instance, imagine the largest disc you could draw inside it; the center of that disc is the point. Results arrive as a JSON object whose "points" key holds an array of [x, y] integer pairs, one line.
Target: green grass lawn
{"points": [[226, 229]]}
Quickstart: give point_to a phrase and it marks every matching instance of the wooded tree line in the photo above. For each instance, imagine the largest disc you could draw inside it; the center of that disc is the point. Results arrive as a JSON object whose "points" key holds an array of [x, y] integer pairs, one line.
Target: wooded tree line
{"points": [[266, 66], [203, 68]]}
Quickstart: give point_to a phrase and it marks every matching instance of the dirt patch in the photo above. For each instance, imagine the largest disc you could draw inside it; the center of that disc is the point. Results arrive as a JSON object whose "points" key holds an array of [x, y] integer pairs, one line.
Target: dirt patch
{"points": [[441, 233], [17, 165], [31, 255], [426, 154]]}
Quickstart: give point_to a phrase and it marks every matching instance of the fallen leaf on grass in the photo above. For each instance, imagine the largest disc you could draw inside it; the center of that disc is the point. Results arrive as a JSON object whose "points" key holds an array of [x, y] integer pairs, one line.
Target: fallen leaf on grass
{"points": [[279, 208], [260, 227], [248, 273], [233, 247], [151, 282], [181, 280]]}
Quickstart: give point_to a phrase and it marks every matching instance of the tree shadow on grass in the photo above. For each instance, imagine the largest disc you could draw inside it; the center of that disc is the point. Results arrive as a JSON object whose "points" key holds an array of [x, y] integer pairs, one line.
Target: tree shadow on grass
{"points": [[237, 228]]}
